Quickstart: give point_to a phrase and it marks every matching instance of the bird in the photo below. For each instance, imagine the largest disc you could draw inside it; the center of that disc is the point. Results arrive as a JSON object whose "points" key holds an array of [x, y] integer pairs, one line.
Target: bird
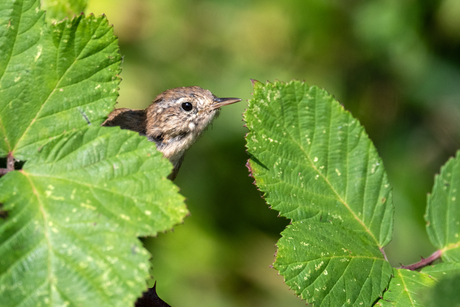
{"points": [[173, 121]]}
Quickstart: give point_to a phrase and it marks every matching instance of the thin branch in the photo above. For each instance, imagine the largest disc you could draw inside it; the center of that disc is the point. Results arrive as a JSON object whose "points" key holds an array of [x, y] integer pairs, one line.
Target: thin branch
{"points": [[423, 262]]}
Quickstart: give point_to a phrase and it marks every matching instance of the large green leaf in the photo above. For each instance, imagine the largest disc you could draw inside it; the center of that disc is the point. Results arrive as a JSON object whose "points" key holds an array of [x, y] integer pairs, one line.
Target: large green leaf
{"points": [[60, 9], [74, 214], [53, 78], [443, 211], [328, 265], [315, 163], [406, 289], [312, 159]]}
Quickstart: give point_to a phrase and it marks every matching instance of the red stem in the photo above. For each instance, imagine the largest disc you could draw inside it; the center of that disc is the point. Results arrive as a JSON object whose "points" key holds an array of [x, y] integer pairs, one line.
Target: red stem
{"points": [[424, 262], [383, 252], [10, 162], [9, 165]]}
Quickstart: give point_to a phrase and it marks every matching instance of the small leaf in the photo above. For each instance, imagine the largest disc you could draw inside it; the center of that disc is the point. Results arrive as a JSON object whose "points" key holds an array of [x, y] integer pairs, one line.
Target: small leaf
{"points": [[53, 78], [445, 292], [312, 159], [411, 288], [406, 289], [443, 211], [75, 213], [440, 270], [329, 265], [59, 9]]}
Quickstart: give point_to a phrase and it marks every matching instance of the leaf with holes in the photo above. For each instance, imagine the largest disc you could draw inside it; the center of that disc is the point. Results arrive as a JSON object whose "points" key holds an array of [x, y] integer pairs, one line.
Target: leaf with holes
{"points": [[53, 78], [314, 162], [443, 211], [74, 214]]}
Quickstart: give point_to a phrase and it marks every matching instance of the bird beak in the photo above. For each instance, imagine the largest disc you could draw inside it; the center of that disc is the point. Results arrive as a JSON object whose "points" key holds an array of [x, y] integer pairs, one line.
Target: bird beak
{"points": [[220, 102]]}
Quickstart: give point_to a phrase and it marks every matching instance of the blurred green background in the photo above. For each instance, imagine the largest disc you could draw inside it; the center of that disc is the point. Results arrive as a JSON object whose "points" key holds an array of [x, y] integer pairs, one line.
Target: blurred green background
{"points": [[395, 64]]}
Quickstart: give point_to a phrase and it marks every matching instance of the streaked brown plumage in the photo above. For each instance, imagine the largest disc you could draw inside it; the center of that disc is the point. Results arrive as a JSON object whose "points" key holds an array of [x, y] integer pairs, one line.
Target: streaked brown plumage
{"points": [[174, 120]]}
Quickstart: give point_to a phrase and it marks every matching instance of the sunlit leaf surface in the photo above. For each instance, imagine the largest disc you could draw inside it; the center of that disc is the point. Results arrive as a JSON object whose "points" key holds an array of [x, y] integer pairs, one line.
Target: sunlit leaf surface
{"points": [[53, 78], [74, 214], [406, 289], [313, 159], [314, 163], [328, 265]]}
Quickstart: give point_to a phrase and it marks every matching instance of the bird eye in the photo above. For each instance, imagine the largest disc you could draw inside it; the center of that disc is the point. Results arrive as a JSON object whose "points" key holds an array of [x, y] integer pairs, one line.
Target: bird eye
{"points": [[187, 106]]}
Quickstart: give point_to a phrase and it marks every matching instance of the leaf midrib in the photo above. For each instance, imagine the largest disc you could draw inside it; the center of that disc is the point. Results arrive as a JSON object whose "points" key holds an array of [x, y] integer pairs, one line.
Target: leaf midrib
{"points": [[2, 126], [406, 289], [55, 87], [339, 198], [46, 235]]}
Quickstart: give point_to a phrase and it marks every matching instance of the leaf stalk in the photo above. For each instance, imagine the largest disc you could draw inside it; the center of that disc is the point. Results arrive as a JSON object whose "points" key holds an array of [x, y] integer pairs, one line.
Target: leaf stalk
{"points": [[423, 262]]}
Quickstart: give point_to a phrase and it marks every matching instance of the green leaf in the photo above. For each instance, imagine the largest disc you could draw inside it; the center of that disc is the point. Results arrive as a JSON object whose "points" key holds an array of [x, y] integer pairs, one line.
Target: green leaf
{"points": [[445, 292], [442, 269], [20, 26], [411, 288], [53, 78], [60, 9], [407, 288], [74, 214], [312, 159], [329, 265], [443, 211], [315, 163]]}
